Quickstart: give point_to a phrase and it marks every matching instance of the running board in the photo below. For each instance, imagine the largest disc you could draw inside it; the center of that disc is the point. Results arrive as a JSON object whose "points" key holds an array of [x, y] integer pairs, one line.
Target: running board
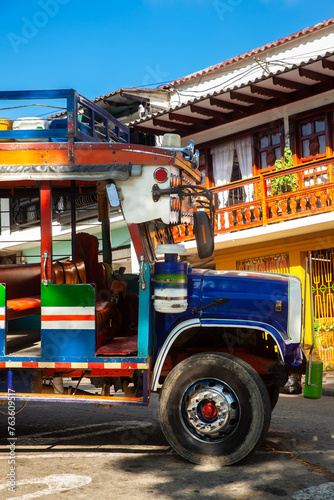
{"points": [[70, 398]]}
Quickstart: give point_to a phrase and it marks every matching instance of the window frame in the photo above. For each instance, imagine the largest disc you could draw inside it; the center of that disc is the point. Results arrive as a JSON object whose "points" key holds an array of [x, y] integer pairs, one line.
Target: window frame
{"points": [[297, 124], [275, 129]]}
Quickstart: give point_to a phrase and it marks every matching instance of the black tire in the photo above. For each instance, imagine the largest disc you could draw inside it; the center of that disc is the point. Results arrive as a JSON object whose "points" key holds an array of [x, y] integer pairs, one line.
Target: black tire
{"points": [[192, 403], [273, 391]]}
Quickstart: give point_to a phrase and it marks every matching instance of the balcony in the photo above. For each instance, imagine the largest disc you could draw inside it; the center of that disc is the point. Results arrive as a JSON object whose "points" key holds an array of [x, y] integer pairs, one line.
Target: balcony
{"points": [[265, 199]]}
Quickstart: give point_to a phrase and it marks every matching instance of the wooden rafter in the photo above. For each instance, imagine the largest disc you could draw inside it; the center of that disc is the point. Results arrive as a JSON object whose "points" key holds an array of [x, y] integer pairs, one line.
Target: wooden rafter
{"points": [[227, 105], [284, 96], [149, 131], [326, 63], [187, 119], [315, 75], [290, 84], [171, 125], [224, 117], [239, 96]]}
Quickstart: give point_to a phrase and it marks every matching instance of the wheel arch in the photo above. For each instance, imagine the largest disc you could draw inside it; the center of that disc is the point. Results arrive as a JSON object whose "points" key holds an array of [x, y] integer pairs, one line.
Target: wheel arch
{"points": [[195, 323]]}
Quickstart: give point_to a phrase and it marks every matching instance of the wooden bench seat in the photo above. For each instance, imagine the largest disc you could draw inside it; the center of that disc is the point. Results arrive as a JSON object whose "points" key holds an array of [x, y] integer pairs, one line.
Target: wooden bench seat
{"points": [[23, 285], [23, 289]]}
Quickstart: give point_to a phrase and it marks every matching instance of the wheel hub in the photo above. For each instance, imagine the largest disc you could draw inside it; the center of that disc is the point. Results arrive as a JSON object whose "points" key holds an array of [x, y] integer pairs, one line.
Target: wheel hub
{"points": [[210, 408]]}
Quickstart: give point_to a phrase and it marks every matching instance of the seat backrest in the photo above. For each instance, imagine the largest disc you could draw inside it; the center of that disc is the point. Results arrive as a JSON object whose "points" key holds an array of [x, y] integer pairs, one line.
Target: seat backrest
{"points": [[69, 272], [22, 280], [81, 268]]}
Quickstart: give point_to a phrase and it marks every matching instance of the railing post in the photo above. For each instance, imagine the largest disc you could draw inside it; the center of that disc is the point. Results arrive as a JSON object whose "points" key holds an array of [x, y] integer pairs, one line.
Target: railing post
{"points": [[263, 196], [330, 172]]}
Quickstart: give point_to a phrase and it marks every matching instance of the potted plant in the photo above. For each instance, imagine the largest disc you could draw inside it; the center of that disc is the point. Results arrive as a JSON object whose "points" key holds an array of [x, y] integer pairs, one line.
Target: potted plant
{"points": [[284, 183]]}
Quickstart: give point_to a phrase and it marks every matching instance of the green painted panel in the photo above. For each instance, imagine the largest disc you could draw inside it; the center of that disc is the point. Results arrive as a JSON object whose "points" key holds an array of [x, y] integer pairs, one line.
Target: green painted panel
{"points": [[67, 295], [2, 295]]}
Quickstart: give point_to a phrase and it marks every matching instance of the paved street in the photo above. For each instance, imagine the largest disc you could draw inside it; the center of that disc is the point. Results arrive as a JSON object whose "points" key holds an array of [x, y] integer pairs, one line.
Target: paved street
{"points": [[80, 452]]}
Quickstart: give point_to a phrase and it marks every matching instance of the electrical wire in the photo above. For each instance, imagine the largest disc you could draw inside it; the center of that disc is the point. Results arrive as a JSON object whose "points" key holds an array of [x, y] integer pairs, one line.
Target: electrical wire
{"points": [[35, 104], [16, 411]]}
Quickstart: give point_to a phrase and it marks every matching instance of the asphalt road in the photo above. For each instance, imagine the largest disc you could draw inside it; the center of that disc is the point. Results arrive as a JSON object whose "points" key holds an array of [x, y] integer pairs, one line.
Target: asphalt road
{"points": [[82, 452]]}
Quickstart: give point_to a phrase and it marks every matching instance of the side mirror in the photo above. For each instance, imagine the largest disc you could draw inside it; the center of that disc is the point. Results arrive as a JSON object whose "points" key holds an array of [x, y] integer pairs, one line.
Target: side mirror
{"points": [[203, 234]]}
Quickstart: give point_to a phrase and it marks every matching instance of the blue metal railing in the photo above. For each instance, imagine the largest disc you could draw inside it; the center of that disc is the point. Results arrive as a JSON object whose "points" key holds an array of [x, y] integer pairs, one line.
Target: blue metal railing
{"points": [[100, 126]]}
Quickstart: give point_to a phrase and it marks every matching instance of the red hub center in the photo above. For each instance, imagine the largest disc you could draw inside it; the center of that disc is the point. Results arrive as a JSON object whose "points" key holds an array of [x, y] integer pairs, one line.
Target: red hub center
{"points": [[209, 410]]}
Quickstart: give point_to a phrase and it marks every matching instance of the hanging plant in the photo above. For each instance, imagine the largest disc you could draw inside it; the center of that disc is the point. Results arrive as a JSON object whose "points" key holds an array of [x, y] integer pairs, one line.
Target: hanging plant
{"points": [[284, 183]]}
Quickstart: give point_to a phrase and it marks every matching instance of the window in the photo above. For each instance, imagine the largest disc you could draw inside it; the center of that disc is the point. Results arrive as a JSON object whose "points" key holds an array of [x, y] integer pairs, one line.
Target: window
{"points": [[237, 195], [312, 137], [231, 161], [269, 147]]}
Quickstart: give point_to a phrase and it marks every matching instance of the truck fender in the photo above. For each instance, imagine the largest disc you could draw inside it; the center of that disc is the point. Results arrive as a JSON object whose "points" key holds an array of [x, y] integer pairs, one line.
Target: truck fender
{"points": [[196, 322]]}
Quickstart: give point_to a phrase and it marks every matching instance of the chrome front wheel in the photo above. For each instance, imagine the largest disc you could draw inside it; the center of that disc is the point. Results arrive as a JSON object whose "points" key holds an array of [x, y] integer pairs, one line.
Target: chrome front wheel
{"points": [[214, 408]]}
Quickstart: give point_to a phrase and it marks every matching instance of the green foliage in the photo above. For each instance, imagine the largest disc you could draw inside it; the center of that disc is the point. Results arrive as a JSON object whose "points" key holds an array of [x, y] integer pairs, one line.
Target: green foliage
{"points": [[284, 183]]}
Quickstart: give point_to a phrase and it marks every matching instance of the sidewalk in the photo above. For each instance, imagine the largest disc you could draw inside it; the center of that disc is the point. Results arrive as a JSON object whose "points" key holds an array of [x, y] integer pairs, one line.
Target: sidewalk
{"points": [[328, 384]]}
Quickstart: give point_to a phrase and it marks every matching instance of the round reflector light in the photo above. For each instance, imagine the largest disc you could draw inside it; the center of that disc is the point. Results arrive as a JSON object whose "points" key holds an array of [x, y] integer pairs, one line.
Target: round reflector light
{"points": [[160, 174]]}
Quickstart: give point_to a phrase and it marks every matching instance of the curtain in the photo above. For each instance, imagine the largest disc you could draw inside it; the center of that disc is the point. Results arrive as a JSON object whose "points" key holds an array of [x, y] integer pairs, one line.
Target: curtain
{"points": [[244, 152], [222, 161]]}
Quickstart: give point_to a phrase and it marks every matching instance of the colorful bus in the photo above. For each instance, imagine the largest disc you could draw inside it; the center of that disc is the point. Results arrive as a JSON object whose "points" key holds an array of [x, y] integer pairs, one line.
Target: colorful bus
{"points": [[216, 345]]}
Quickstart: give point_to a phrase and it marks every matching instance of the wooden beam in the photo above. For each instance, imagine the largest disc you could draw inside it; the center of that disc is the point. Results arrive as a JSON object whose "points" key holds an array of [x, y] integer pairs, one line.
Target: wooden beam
{"points": [[227, 105], [315, 75], [171, 125], [326, 63], [290, 84], [187, 119], [149, 131], [284, 96], [223, 117], [239, 96]]}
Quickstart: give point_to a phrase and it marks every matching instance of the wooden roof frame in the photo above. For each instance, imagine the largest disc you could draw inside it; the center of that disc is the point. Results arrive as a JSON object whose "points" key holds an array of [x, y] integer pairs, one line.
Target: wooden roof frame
{"points": [[270, 91]]}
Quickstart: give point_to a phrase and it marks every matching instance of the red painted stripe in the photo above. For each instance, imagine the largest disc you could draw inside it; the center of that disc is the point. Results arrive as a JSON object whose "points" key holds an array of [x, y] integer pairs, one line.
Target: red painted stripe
{"points": [[29, 364], [96, 365], [68, 317], [63, 365], [2, 316], [2, 364], [129, 365]]}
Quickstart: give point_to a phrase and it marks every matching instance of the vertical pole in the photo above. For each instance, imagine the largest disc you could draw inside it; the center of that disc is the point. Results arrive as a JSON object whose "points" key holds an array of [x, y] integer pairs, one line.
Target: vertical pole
{"points": [[10, 383], [305, 302], [73, 221], [312, 317], [104, 218], [72, 123], [46, 228], [263, 195]]}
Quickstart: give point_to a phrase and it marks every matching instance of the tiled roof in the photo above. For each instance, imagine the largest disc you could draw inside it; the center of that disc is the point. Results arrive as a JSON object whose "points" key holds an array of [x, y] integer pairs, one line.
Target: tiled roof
{"points": [[251, 53], [295, 82]]}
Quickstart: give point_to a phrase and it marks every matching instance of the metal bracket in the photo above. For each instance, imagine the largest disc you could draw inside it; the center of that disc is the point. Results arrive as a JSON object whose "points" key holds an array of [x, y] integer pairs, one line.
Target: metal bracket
{"points": [[45, 259], [190, 191], [143, 284]]}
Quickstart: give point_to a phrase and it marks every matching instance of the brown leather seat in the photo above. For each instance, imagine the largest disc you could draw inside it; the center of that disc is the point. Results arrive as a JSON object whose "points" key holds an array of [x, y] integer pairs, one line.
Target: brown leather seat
{"points": [[70, 272], [23, 289]]}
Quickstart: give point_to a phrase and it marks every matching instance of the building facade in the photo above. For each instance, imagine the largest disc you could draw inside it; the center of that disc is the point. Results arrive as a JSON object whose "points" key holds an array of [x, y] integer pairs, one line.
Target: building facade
{"points": [[263, 123]]}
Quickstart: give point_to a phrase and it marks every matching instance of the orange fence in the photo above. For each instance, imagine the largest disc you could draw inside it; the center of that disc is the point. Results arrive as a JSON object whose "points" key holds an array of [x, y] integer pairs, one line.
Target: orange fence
{"points": [[275, 196]]}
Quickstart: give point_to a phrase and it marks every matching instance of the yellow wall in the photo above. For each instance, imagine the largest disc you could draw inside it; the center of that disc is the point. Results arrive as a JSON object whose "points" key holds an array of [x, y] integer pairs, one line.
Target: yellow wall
{"points": [[297, 247]]}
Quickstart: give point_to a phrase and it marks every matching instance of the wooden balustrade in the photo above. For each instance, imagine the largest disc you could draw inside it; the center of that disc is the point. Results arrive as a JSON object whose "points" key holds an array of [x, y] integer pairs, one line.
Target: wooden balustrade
{"points": [[265, 199]]}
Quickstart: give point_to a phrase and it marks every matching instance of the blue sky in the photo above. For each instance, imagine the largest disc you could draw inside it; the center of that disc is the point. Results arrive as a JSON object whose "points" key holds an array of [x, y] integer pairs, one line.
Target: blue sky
{"points": [[97, 47]]}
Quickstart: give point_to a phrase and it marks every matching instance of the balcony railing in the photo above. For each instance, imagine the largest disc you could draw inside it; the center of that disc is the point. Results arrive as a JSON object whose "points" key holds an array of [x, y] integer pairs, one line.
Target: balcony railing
{"points": [[265, 199]]}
